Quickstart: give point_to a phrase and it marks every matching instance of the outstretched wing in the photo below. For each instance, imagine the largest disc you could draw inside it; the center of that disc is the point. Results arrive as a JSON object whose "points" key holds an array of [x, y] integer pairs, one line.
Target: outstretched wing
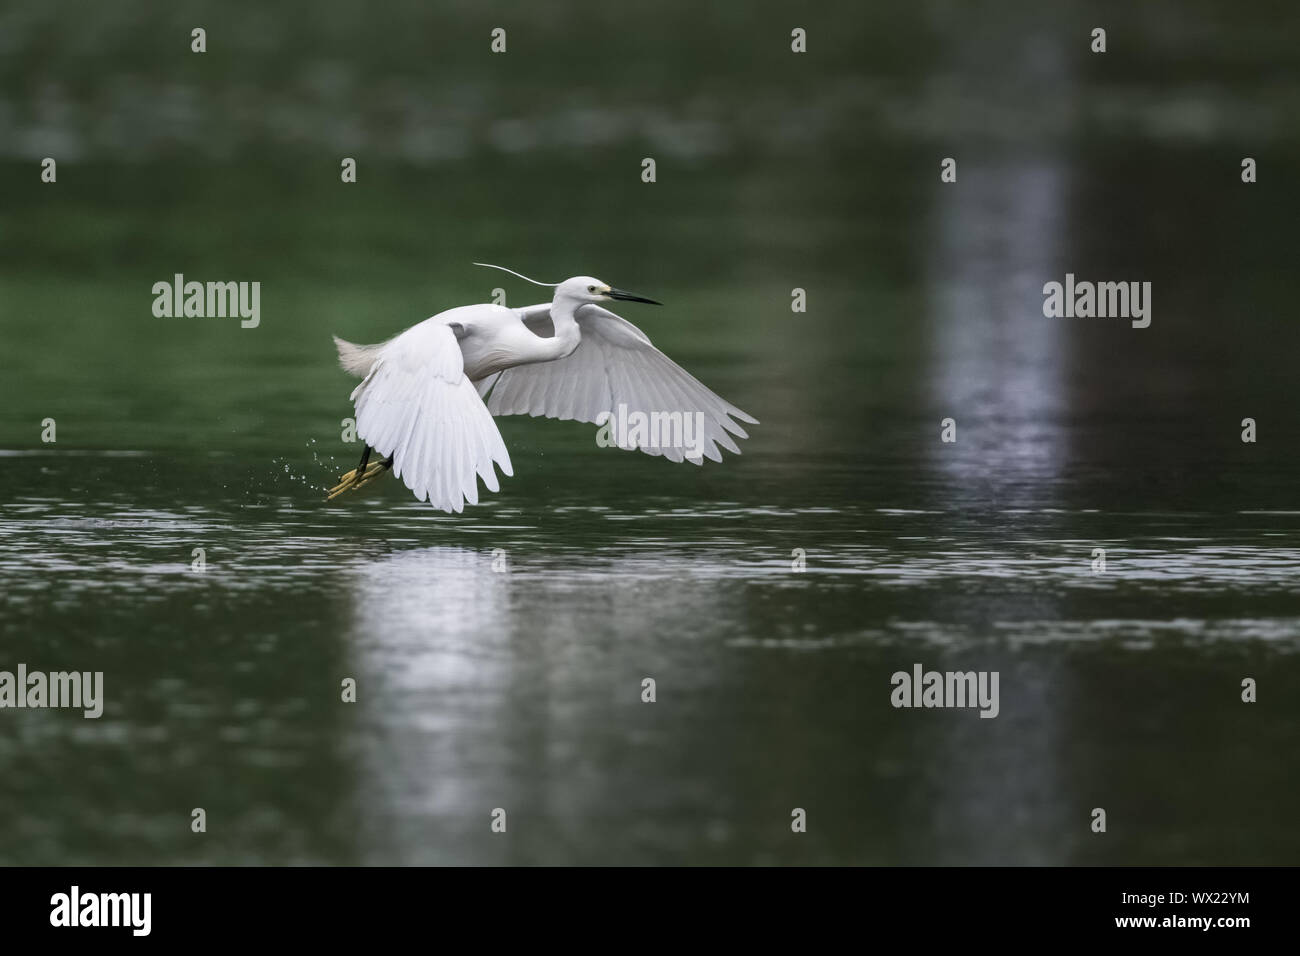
{"points": [[652, 403], [416, 405]]}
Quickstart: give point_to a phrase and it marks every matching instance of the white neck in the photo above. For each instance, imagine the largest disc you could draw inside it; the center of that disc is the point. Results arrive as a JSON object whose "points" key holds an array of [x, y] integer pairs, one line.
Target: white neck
{"points": [[567, 333]]}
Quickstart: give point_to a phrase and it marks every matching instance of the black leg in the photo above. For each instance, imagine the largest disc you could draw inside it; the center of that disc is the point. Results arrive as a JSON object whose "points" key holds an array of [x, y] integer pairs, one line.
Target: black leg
{"points": [[365, 458]]}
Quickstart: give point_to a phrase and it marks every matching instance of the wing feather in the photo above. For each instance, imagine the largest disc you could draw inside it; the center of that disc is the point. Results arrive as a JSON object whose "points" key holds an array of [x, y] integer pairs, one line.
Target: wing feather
{"points": [[416, 405], [616, 365]]}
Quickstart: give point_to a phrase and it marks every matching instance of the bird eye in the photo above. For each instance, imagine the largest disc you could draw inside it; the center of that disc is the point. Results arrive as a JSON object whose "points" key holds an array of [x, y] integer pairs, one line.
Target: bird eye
{"points": [[591, 288]]}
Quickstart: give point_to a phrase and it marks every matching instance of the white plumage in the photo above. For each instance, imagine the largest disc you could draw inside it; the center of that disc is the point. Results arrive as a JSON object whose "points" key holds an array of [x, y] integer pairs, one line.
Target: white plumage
{"points": [[416, 406], [421, 403], [614, 364]]}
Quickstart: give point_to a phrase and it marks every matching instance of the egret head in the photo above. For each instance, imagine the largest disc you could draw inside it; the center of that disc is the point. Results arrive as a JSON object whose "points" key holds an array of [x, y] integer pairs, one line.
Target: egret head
{"points": [[580, 288], [589, 289]]}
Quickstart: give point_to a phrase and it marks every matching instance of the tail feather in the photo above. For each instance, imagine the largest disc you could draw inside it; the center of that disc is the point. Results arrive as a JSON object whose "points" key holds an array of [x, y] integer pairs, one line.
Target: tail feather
{"points": [[354, 358]]}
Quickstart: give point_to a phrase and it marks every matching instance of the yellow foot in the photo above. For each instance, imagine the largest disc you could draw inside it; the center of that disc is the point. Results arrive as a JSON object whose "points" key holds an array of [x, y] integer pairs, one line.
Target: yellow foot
{"points": [[352, 481]]}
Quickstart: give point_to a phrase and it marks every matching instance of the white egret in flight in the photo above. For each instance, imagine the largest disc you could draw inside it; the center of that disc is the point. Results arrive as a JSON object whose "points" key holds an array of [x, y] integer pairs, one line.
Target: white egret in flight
{"points": [[427, 396]]}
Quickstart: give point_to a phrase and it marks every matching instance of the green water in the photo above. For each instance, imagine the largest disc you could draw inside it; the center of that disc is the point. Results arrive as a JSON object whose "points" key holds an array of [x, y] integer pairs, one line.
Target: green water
{"points": [[480, 688]]}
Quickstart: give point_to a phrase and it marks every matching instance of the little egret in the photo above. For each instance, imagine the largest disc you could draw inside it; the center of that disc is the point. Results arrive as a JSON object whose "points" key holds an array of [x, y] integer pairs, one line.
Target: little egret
{"points": [[427, 395]]}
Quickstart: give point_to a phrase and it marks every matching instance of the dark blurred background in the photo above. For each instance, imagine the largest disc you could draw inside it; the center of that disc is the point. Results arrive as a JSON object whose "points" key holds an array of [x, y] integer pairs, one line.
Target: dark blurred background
{"points": [[775, 170]]}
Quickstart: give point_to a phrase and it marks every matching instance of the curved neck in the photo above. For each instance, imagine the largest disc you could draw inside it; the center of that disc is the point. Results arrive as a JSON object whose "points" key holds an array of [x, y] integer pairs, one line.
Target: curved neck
{"points": [[567, 333]]}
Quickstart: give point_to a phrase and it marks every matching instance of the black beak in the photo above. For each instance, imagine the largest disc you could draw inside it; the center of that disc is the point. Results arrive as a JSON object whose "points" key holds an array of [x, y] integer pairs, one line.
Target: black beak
{"points": [[622, 296]]}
